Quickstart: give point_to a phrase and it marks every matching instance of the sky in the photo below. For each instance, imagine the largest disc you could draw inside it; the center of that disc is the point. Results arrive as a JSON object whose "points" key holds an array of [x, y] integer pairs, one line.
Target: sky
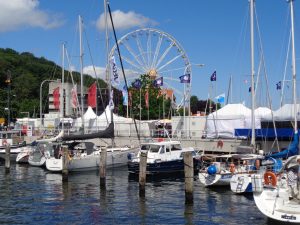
{"points": [[213, 35]]}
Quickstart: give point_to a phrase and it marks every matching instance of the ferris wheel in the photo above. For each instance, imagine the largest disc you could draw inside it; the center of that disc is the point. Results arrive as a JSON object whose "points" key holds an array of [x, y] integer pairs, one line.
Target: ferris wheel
{"points": [[158, 54]]}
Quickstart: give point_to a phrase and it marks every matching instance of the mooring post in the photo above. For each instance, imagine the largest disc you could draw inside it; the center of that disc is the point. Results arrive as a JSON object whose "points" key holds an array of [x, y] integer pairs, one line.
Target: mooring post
{"points": [[102, 168], [142, 172], [7, 157], [188, 176], [65, 171]]}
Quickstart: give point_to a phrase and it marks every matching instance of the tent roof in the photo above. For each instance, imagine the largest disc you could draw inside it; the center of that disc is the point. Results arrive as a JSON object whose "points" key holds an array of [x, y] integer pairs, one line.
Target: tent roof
{"points": [[231, 110]]}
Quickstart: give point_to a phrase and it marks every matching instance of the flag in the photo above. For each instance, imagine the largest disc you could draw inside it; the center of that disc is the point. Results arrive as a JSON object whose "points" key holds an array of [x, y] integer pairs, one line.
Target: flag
{"points": [[129, 98], [125, 95], [137, 84], [115, 80], [74, 100], [92, 93], [249, 89], [147, 99], [158, 82], [213, 77], [56, 96], [111, 100], [221, 98], [186, 78], [278, 86]]}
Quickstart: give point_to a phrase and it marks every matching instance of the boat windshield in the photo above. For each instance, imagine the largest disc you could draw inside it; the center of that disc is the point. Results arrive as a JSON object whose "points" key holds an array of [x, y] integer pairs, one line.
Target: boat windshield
{"points": [[155, 148], [175, 147]]}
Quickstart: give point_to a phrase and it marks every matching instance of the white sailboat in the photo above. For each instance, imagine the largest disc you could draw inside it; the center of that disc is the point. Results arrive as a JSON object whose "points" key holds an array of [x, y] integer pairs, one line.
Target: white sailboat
{"points": [[278, 197]]}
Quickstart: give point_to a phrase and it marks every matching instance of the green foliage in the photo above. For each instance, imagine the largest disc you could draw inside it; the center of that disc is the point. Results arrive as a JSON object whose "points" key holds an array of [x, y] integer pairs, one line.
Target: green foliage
{"points": [[159, 105], [27, 73], [207, 106]]}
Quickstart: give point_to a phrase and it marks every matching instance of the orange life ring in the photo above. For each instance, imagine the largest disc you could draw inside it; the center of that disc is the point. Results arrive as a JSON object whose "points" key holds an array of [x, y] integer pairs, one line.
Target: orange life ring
{"points": [[4, 142], [270, 178], [232, 168], [220, 144]]}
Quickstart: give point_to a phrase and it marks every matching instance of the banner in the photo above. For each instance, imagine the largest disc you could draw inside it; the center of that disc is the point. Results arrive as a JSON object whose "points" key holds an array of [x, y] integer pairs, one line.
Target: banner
{"points": [[129, 98], [147, 99], [56, 96], [137, 84], [92, 95], [213, 77], [278, 86], [185, 78], [74, 100], [115, 80], [125, 95], [111, 100], [158, 82]]}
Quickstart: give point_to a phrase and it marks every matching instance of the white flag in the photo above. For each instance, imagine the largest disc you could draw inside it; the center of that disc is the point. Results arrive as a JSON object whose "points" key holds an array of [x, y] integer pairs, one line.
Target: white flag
{"points": [[111, 101], [115, 80]]}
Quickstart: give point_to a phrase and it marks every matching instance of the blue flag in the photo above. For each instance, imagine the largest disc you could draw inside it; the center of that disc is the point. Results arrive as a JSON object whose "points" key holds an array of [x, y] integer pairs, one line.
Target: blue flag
{"points": [[278, 86], [221, 98], [213, 77], [137, 84], [249, 89], [185, 78], [158, 82]]}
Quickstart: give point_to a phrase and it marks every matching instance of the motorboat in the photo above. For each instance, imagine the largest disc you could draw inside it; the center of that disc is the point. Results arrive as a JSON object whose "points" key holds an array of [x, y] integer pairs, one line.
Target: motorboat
{"points": [[14, 140], [163, 157]]}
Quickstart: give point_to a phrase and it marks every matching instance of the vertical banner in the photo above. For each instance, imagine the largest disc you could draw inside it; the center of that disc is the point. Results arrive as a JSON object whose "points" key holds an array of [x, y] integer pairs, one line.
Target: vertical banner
{"points": [[74, 100], [111, 100], [115, 80], [129, 98], [147, 99], [125, 95], [92, 95], [56, 96]]}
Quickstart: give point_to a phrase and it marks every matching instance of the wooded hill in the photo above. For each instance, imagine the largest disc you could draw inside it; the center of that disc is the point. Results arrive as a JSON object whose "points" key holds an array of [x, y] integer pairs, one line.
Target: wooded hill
{"points": [[27, 73]]}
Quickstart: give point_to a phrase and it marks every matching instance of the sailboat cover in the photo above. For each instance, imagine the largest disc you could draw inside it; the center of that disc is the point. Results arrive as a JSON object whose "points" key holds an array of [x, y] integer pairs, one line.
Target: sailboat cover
{"points": [[107, 133]]}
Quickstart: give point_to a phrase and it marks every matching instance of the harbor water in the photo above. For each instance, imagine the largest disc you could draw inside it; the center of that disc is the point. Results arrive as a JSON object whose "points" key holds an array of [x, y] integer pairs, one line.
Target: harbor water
{"points": [[31, 195]]}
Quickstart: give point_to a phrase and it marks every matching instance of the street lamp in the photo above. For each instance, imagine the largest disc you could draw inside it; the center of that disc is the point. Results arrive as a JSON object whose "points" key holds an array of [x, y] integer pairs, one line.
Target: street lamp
{"points": [[58, 80]]}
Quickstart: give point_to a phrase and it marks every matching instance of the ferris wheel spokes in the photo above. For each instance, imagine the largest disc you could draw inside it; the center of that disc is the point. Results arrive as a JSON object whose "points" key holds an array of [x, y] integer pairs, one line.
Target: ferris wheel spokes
{"points": [[132, 63], [170, 61], [158, 45], [130, 50], [164, 54]]}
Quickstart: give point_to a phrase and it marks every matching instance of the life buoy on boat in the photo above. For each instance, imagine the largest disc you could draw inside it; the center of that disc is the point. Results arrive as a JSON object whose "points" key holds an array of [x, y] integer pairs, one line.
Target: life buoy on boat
{"points": [[232, 168], [4, 142], [220, 144], [270, 178]]}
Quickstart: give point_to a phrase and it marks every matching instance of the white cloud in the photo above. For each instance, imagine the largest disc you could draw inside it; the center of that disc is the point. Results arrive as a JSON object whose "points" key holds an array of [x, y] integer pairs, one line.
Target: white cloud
{"points": [[16, 14], [100, 71], [123, 20]]}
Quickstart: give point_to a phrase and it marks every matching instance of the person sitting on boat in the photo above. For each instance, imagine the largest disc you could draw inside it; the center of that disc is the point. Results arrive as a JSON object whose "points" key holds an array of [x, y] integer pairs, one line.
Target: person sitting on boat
{"points": [[292, 182]]}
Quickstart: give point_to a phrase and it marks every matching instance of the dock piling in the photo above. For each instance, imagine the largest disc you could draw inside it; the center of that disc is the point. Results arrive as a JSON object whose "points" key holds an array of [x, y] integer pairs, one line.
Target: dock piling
{"points": [[65, 171], [188, 176], [7, 157], [142, 173], [102, 167]]}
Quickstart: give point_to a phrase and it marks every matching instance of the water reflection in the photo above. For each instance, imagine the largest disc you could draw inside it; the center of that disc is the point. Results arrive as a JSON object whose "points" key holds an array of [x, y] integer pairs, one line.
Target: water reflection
{"points": [[32, 195]]}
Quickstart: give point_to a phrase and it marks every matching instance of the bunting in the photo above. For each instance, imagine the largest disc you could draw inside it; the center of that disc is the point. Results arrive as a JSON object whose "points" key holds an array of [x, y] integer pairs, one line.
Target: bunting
{"points": [[92, 95], [56, 96]]}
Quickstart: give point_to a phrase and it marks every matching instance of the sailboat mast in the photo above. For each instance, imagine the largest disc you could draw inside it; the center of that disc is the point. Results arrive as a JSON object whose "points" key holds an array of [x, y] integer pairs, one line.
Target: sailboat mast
{"points": [[294, 66], [81, 69], [252, 73], [62, 86]]}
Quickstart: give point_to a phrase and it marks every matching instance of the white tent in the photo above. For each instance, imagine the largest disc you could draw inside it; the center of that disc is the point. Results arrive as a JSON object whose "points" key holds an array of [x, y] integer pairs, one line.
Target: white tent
{"points": [[285, 113], [89, 119], [260, 113], [223, 122]]}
